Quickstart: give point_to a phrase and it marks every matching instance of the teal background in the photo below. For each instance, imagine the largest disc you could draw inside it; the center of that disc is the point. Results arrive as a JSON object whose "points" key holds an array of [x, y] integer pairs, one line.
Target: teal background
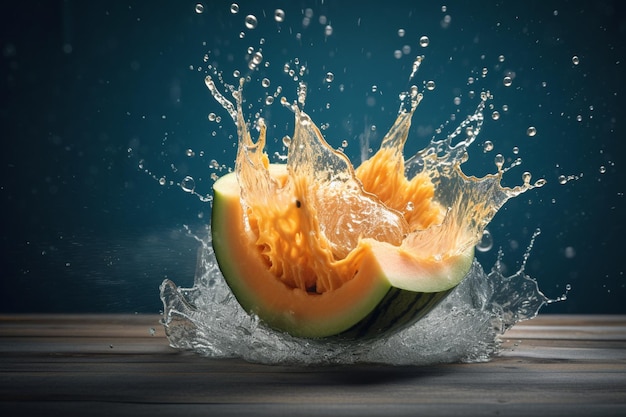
{"points": [[91, 89]]}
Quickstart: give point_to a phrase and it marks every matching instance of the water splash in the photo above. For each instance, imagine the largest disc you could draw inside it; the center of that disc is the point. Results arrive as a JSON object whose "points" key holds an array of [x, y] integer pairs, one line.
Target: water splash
{"points": [[465, 327]]}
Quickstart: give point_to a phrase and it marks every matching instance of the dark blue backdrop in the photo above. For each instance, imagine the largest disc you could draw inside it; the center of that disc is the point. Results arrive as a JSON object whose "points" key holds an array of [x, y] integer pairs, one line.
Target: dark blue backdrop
{"points": [[91, 89]]}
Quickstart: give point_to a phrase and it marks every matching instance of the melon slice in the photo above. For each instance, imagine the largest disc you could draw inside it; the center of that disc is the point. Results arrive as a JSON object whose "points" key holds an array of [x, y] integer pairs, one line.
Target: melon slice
{"points": [[317, 248], [387, 289]]}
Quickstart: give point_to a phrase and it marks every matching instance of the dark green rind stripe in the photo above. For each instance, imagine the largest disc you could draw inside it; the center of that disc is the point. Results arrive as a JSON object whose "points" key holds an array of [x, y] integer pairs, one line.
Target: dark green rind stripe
{"points": [[396, 311]]}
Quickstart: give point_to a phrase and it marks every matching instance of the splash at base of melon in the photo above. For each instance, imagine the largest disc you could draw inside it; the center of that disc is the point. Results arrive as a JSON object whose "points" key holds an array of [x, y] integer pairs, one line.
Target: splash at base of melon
{"points": [[466, 327]]}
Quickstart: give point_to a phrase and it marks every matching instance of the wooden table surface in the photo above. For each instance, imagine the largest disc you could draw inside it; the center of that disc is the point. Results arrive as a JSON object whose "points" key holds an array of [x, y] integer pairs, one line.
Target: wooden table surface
{"points": [[112, 365]]}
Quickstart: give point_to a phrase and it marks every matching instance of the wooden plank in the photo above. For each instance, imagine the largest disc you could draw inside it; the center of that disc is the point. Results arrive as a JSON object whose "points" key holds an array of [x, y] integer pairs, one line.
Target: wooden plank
{"points": [[122, 365]]}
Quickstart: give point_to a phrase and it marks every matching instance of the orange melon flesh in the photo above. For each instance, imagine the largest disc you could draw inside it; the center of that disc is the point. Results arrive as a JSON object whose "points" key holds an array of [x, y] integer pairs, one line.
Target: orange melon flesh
{"points": [[376, 268]]}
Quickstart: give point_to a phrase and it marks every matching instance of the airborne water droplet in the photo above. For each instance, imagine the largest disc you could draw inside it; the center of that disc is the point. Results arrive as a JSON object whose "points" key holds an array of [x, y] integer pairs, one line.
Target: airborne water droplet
{"points": [[531, 131], [486, 242], [424, 41], [251, 21], [188, 184], [279, 15]]}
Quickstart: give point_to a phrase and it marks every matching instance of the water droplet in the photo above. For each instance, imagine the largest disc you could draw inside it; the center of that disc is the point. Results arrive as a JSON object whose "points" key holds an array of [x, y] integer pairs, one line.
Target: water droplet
{"points": [[397, 54], [234, 8], [211, 117], [344, 143], [515, 150], [265, 82], [410, 206], [495, 115], [328, 30], [401, 33], [257, 58], [162, 181], [499, 161], [250, 21], [486, 242], [568, 287], [424, 41], [602, 169], [199, 8], [269, 100], [579, 118], [190, 153], [575, 60], [531, 131], [279, 15], [286, 141], [507, 81], [329, 77], [188, 184], [430, 85], [570, 252], [562, 179], [487, 146], [501, 58], [526, 176]]}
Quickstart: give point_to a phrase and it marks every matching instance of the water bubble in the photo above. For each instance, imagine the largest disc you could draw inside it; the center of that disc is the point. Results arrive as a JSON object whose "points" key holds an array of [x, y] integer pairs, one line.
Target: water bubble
{"points": [[329, 77], [190, 153], [265, 82], [188, 184], [344, 143], [162, 181], [251, 21], [515, 150], [211, 117], [401, 33], [397, 54], [531, 131], [487, 146], [279, 15], [575, 60], [486, 242], [501, 58], [507, 81], [234, 8], [328, 30], [257, 58], [430, 85], [602, 169], [579, 118], [199, 8], [457, 101], [568, 287], [495, 115], [424, 41]]}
